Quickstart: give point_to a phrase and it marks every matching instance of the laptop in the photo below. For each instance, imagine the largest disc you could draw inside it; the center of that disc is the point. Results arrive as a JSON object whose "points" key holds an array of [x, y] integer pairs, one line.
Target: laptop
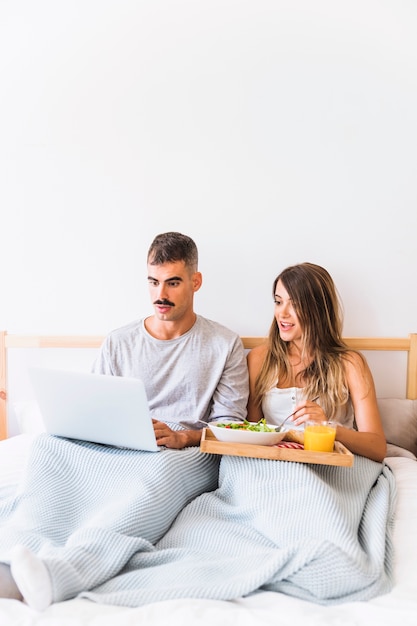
{"points": [[110, 410]]}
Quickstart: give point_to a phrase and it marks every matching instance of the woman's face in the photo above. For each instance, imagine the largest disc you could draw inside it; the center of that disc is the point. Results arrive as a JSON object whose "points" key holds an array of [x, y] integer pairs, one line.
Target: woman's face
{"points": [[288, 324]]}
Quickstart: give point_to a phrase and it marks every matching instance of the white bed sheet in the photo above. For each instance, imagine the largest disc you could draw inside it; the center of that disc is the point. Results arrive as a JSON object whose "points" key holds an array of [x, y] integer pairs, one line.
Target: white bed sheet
{"points": [[260, 609]]}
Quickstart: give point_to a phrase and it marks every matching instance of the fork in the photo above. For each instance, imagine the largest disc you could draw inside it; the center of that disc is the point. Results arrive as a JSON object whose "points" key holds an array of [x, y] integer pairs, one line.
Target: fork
{"points": [[278, 428]]}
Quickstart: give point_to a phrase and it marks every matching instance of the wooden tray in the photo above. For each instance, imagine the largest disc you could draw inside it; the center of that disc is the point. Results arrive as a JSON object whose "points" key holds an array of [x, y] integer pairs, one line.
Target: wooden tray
{"points": [[340, 456]]}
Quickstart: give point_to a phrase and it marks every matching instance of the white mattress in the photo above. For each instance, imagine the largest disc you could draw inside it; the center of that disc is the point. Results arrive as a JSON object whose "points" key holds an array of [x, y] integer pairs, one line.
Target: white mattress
{"points": [[260, 609]]}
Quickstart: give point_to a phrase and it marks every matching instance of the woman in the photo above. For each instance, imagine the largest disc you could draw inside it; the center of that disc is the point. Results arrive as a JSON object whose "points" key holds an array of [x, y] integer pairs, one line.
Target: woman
{"points": [[305, 357]]}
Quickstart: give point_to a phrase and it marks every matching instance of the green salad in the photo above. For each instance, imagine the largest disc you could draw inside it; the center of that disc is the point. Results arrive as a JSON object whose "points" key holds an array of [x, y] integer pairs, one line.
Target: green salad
{"points": [[260, 427]]}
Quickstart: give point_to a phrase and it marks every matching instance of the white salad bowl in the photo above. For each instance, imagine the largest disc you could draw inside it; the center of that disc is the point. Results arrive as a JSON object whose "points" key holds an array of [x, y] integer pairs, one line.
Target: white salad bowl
{"points": [[235, 435]]}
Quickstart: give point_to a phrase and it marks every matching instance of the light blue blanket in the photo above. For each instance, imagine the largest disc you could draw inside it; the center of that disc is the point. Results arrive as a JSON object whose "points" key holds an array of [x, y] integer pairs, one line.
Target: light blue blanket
{"points": [[321, 533], [86, 509]]}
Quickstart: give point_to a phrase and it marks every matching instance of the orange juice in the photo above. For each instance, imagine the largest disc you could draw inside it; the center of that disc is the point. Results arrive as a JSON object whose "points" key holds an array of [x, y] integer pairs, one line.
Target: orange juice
{"points": [[319, 437]]}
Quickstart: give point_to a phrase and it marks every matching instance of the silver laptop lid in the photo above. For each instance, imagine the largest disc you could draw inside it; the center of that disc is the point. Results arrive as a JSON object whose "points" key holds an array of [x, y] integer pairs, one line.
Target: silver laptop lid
{"points": [[110, 410]]}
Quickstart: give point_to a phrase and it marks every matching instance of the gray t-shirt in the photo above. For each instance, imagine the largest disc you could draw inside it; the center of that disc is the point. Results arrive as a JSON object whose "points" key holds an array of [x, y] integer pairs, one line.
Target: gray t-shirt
{"points": [[201, 375]]}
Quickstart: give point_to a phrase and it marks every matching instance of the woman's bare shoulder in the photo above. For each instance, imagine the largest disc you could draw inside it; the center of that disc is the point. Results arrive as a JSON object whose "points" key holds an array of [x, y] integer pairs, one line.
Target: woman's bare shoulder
{"points": [[257, 355], [356, 366], [355, 359]]}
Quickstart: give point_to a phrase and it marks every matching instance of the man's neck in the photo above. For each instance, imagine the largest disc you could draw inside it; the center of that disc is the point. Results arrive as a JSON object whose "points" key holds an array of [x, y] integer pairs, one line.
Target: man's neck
{"points": [[169, 330]]}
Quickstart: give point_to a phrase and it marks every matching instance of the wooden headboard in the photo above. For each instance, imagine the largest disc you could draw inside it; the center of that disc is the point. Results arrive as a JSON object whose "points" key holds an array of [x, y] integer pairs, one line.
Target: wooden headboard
{"points": [[9, 341]]}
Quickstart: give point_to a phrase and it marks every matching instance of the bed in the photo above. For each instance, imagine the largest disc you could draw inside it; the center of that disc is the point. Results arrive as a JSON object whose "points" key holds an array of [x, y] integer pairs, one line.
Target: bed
{"points": [[399, 415]]}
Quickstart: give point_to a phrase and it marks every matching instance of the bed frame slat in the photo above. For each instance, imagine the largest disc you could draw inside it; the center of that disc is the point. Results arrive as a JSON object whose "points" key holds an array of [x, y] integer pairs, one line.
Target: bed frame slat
{"points": [[407, 344], [53, 341]]}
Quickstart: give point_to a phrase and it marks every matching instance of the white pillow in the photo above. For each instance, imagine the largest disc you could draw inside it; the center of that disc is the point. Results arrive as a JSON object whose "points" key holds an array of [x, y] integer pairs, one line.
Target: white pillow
{"points": [[14, 452], [399, 420], [29, 418], [398, 451]]}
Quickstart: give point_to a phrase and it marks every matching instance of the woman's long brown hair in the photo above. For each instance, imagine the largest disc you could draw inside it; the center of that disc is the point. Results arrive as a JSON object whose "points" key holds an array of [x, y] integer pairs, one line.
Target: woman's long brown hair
{"points": [[319, 311]]}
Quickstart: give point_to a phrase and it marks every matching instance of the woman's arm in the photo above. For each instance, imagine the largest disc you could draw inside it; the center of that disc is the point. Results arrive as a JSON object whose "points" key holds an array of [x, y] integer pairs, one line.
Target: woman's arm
{"points": [[369, 439], [255, 359]]}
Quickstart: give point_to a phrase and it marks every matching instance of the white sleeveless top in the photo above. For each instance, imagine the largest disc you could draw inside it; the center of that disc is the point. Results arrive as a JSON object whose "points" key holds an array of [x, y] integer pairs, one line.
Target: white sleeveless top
{"points": [[277, 404]]}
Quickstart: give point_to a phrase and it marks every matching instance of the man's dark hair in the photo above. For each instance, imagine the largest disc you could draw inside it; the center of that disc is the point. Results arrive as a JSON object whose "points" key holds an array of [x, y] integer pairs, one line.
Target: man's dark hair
{"points": [[171, 247]]}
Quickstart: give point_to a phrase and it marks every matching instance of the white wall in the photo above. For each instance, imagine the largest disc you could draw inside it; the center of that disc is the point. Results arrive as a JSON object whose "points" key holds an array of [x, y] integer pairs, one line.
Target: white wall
{"points": [[272, 132]]}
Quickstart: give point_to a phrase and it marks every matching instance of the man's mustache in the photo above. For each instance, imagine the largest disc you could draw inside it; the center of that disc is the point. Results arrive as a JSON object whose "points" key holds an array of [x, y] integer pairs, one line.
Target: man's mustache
{"points": [[164, 302]]}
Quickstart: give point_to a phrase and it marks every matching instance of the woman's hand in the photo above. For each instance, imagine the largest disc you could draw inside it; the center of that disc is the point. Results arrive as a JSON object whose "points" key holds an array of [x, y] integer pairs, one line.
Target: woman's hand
{"points": [[308, 410]]}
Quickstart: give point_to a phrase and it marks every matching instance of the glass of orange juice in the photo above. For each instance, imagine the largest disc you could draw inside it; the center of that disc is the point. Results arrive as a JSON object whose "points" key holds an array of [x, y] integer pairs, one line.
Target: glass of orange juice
{"points": [[319, 436]]}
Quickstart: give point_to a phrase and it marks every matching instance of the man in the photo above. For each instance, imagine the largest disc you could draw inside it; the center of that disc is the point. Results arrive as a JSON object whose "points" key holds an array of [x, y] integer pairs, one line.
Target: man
{"points": [[195, 363], [87, 509]]}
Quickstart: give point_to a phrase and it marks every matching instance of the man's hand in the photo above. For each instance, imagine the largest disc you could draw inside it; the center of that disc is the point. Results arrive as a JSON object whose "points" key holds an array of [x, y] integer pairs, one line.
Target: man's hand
{"points": [[169, 438]]}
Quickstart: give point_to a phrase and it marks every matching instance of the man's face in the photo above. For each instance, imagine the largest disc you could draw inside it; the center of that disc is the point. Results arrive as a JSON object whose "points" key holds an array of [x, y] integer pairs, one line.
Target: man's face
{"points": [[172, 288]]}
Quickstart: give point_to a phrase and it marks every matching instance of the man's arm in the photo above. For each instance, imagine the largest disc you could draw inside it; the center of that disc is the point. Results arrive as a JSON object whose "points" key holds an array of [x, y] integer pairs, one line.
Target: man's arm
{"points": [[230, 398]]}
